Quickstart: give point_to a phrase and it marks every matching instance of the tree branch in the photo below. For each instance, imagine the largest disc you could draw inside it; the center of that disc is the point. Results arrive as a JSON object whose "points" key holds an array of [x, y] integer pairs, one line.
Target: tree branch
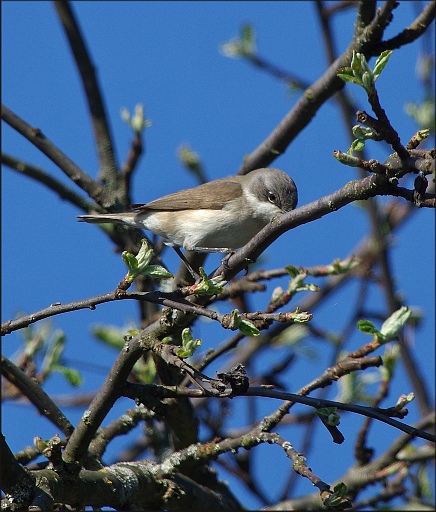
{"points": [[38, 139], [103, 139], [34, 392], [51, 183]]}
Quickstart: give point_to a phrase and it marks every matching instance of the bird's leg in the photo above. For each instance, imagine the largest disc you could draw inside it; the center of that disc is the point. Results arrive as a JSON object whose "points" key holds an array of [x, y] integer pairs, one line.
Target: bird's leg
{"points": [[193, 273]]}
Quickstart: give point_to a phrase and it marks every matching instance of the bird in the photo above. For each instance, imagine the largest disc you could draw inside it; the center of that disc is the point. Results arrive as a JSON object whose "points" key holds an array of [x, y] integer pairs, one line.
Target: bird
{"points": [[218, 216]]}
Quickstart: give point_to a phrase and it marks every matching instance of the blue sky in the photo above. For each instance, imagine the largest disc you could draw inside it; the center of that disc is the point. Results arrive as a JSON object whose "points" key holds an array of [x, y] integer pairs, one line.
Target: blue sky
{"points": [[166, 55]]}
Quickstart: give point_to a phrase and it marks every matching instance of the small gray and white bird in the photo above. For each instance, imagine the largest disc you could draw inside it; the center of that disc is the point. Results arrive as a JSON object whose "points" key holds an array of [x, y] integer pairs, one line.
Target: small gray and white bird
{"points": [[217, 216]]}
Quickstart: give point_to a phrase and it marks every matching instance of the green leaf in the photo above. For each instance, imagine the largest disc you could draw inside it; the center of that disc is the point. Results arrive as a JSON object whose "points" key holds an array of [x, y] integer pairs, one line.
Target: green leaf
{"points": [[363, 132], [395, 323], [357, 145], [139, 264], [337, 499], [72, 375], [189, 345], [247, 33], [157, 271], [367, 327], [248, 328], [347, 77], [292, 271], [112, 336], [207, 286], [381, 62], [130, 260]]}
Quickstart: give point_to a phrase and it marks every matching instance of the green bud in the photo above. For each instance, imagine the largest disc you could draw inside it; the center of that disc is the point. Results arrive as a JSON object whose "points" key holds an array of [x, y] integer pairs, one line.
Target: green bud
{"points": [[330, 414], [137, 122], [189, 345], [368, 82], [139, 264], [276, 294], [39, 444], [403, 400], [206, 286], [356, 64], [347, 159], [191, 160]]}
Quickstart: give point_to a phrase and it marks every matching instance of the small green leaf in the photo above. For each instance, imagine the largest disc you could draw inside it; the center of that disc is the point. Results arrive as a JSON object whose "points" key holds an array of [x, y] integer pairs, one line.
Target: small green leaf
{"points": [[157, 271], [207, 286], [381, 62], [395, 323], [356, 64], [292, 271], [189, 345], [248, 328], [357, 145], [139, 264], [367, 327], [112, 336], [244, 46], [347, 77], [363, 132], [72, 375], [40, 444], [247, 33], [337, 499], [129, 260]]}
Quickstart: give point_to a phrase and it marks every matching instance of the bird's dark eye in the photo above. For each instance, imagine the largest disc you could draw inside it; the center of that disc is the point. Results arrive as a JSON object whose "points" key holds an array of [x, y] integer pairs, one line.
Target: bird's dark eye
{"points": [[272, 198]]}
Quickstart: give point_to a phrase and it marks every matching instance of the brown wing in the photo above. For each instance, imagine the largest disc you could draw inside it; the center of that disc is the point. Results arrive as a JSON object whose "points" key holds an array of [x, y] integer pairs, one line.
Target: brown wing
{"points": [[211, 196]]}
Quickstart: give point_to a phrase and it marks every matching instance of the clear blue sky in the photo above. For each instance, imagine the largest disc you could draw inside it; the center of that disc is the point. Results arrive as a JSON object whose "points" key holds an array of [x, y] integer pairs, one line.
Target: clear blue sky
{"points": [[166, 56]]}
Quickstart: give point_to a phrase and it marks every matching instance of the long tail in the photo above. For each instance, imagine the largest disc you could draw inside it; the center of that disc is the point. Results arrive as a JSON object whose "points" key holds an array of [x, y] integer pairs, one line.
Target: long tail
{"points": [[105, 218]]}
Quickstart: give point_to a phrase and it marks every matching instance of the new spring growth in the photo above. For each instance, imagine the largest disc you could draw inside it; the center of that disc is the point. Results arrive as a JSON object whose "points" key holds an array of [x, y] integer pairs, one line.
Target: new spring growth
{"points": [[297, 284], [137, 122], [235, 321], [243, 46], [191, 160], [337, 499], [189, 345], [390, 327], [403, 400], [139, 264], [361, 74], [206, 286], [330, 415], [362, 133]]}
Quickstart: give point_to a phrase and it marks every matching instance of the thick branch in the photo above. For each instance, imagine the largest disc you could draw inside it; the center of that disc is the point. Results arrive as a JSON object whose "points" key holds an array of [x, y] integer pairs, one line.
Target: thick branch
{"points": [[108, 166]]}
